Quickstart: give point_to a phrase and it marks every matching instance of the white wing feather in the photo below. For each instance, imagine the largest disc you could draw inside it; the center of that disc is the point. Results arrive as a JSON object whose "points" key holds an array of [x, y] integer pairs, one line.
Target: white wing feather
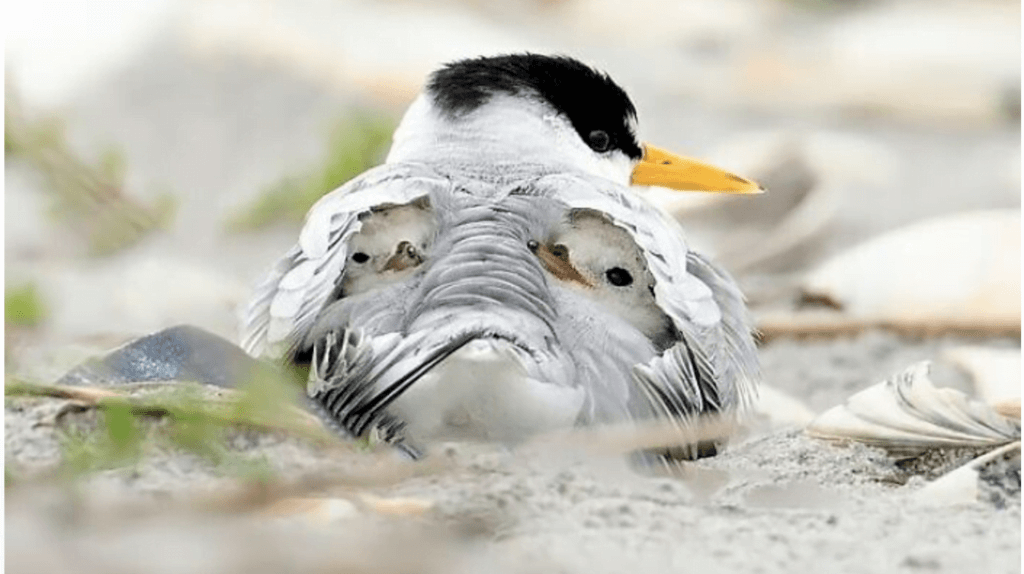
{"points": [[716, 356], [712, 366], [286, 303]]}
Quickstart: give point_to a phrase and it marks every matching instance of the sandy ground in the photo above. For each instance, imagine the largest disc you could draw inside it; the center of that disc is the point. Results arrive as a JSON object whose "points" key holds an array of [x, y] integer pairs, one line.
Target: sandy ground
{"points": [[777, 502], [216, 129]]}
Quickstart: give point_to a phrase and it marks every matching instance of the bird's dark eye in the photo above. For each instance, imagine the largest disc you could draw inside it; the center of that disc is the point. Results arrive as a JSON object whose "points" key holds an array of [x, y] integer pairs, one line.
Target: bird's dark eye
{"points": [[618, 276], [560, 251], [360, 257], [599, 140]]}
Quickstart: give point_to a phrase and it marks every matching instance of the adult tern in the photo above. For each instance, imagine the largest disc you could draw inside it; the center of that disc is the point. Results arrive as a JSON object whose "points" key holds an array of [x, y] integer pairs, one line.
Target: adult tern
{"points": [[497, 277]]}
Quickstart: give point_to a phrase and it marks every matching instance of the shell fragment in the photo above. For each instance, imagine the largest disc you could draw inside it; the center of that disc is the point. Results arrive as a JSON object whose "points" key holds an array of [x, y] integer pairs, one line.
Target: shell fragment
{"points": [[907, 415]]}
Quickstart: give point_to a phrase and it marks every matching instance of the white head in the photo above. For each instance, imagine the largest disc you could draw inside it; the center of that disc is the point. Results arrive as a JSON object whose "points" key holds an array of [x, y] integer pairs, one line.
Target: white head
{"points": [[529, 109], [497, 115]]}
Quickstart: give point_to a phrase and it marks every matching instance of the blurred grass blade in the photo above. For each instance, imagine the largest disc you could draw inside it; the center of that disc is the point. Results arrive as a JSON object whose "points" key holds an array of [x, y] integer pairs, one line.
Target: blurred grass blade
{"points": [[23, 307], [357, 143], [89, 199]]}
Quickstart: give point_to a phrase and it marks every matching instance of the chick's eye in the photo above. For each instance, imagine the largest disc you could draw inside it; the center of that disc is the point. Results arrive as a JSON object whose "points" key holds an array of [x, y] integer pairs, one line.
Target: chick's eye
{"points": [[618, 276], [599, 140], [360, 257], [560, 251]]}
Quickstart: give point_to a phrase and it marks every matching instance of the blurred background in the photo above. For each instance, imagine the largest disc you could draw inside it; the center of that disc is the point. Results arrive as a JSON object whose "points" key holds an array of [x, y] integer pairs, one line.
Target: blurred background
{"points": [[160, 154]]}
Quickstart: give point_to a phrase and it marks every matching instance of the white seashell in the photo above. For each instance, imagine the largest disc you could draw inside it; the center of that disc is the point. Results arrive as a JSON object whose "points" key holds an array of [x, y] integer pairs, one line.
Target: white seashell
{"points": [[781, 410], [958, 270], [995, 372], [806, 174], [960, 486], [907, 415]]}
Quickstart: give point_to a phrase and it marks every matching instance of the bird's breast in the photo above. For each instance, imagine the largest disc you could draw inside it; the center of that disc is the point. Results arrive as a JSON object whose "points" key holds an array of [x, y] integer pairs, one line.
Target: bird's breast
{"points": [[484, 392]]}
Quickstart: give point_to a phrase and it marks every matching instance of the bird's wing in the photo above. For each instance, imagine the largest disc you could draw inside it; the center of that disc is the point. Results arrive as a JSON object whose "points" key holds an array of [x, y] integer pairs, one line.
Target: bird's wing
{"points": [[287, 301], [354, 378], [713, 364], [735, 352]]}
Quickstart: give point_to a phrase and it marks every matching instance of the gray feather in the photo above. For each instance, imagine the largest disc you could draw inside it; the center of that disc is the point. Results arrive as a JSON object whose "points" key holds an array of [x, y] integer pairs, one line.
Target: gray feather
{"points": [[300, 285], [479, 279]]}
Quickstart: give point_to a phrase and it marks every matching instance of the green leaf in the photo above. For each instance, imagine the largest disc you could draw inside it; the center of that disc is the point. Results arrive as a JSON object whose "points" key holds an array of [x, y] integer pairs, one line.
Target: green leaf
{"points": [[23, 307]]}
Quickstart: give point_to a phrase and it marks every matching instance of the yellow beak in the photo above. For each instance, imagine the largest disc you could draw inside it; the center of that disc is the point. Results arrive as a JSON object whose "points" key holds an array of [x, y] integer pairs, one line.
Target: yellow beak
{"points": [[665, 169]]}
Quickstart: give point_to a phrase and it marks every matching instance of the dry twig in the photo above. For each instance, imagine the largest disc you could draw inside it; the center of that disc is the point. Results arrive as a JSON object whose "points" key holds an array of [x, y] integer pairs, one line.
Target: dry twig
{"points": [[827, 324], [221, 411]]}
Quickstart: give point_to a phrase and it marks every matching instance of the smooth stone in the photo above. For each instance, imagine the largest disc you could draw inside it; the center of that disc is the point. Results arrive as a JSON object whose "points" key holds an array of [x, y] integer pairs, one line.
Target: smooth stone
{"points": [[180, 353]]}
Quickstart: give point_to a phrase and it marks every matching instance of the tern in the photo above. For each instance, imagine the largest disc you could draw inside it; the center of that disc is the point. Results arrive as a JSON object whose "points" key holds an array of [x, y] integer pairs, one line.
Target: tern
{"points": [[497, 277]]}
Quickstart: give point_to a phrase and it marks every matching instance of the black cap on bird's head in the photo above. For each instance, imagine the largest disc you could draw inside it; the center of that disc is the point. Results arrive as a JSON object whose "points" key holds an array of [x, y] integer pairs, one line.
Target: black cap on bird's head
{"points": [[599, 110]]}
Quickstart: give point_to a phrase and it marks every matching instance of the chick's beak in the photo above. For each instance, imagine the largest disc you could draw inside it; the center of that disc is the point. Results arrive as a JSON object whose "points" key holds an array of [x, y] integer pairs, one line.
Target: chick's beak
{"points": [[665, 169], [558, 264]]}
